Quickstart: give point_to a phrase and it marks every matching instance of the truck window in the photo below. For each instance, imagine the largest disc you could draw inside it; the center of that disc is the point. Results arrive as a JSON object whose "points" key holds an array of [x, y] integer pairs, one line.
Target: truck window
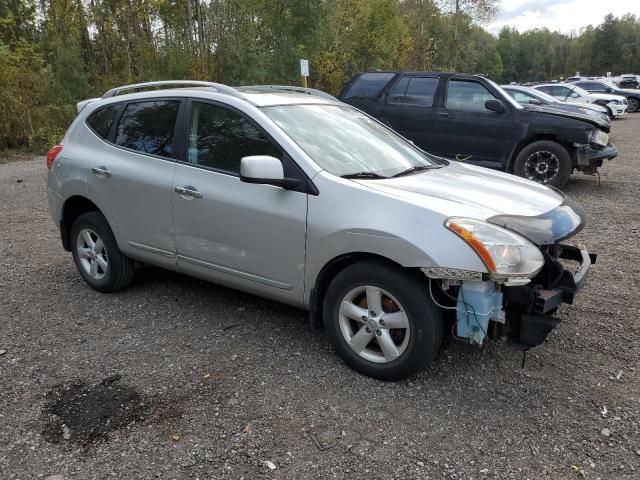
{"points": [[421, 91], [368, 85], [467, 95], [396, 95]]}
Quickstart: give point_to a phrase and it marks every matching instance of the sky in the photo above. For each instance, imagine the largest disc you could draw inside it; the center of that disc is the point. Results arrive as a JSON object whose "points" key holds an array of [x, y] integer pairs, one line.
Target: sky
{"points": [[562, 15]]}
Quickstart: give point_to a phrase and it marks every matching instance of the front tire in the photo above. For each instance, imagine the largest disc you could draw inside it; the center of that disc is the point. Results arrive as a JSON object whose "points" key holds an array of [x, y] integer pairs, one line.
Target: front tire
{"points": [[382, 321], [633, 104], [545, 162], [97, 256]]}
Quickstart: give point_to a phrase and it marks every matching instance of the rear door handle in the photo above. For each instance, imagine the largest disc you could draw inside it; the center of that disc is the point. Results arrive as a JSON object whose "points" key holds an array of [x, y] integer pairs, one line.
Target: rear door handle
{"points": [[188, 191], [101, 172], [444, 114]]}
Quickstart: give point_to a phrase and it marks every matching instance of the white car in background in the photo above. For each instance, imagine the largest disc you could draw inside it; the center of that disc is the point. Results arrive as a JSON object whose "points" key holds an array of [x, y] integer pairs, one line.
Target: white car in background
{"points": [[567, 92]]}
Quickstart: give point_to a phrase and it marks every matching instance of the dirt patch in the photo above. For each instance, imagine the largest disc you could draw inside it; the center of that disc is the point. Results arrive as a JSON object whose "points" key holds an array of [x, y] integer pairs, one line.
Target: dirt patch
{"points": [[84, 414]]}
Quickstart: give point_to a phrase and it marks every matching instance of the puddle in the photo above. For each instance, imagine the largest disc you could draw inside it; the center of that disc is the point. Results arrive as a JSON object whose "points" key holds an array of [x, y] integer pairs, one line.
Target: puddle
{"points": [[84, 414]]}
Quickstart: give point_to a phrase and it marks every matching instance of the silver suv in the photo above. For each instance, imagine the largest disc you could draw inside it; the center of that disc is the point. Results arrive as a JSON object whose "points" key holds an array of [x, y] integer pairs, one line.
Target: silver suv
{"points": [[290, 194]]}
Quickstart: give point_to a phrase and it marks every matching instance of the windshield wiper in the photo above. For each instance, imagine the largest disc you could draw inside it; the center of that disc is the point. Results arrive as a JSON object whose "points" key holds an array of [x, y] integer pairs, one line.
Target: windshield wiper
{"points": [[415, 169], [369, 175]]}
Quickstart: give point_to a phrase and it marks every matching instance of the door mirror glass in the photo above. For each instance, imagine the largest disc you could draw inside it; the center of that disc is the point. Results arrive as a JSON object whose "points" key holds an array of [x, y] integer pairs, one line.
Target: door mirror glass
{"points": [[495, 106], [262, 169]]}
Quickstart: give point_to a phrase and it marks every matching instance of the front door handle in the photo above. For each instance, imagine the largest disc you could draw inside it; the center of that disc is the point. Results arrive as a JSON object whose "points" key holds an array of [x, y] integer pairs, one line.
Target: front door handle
{"points": [[101, 172], [188, 191], [444, 114]]}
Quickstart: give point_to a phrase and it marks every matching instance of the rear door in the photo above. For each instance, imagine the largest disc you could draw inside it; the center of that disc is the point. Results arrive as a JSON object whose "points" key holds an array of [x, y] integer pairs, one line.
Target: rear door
{"points": [[468, 131], [244, 235], [130, 177], [409, 109]]}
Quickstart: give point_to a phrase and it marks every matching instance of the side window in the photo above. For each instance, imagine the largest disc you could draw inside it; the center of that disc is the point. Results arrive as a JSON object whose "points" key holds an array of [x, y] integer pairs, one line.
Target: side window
{"points": [[101, 120], [220, 137], [548, 90], [562, 92], [421, 91], [396, 95], [148, 127], [368, 85], [467, 95], [593, 86]]}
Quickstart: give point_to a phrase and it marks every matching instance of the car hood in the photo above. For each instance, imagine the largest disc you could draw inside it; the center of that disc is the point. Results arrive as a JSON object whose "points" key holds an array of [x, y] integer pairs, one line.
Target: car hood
{"points": [[626, 91], [607, 96], [560, 112], [465, 190], [539, 213]]}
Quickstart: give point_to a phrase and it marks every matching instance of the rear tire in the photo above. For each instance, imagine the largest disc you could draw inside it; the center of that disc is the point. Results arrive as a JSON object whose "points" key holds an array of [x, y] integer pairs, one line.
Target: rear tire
{"points": [[545, 162], [403, 329], [97, 256]]}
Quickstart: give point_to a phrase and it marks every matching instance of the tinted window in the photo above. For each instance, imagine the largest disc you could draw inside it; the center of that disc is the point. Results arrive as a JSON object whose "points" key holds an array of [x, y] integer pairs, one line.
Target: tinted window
{"points": [[220, 137], [396, 95], [421, 91], [592, 86], [368, 85], [101, 120], [548, 90], [464, 95], [148, 127]]}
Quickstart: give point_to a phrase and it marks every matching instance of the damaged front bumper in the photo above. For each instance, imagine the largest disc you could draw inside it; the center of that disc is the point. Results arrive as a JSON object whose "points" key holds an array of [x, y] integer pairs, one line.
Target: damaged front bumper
{"points": [[588, 156], [529, 309], [523, 313]]}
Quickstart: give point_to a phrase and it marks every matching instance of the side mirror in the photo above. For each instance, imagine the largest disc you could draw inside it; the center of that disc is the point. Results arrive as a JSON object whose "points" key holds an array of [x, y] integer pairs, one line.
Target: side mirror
{"points": [[608, 90], [495, 106], [265, 170], [574, 95], [535, 101]]}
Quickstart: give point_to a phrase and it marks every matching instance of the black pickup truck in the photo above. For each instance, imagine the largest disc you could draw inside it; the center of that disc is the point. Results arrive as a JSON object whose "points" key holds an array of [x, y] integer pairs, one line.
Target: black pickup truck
{"points": [[471, 119]]}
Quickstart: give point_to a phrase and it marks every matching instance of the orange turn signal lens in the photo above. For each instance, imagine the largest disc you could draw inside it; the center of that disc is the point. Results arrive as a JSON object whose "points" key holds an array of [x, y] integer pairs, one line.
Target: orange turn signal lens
{"points": [[474, 243]]}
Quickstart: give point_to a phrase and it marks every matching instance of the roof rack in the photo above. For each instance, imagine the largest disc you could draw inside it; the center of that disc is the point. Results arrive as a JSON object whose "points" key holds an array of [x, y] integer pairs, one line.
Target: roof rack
{"points": [[293, 88], [175, 83]]}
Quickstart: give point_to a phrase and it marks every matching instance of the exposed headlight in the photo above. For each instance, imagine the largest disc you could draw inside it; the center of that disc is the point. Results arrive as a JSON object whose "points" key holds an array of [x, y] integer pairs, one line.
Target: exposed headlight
{"points": [[599, 138], [505, 254]]}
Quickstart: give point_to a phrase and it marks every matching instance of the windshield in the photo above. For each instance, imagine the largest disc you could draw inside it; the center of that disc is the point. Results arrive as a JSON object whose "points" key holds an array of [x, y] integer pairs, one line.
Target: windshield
{"points": [[345, 141], [580, 91], [540, 94], [505, 95]]}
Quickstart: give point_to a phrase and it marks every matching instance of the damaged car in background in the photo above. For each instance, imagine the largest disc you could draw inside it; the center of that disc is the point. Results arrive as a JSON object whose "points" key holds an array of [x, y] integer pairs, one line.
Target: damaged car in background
{"points": [[471, 119], [289, 194]]}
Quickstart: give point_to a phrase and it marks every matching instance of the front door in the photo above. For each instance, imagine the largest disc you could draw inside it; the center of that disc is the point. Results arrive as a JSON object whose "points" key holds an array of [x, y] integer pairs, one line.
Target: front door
{"points": [[244, 235], [469, 132]]}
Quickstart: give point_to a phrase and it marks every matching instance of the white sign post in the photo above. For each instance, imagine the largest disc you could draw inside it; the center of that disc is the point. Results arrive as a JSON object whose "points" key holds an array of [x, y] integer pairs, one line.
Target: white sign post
{"points": [[304, 71]]}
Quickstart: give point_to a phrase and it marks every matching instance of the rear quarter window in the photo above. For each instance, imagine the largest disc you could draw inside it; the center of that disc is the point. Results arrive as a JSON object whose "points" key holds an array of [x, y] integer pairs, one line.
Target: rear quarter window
{"points": [[367, 86], [102, 119]]}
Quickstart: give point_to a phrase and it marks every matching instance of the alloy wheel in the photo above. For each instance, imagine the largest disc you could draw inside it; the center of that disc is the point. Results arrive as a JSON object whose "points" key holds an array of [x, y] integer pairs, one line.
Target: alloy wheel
{"points": [[542, 166], [374, 324], [92, 255]]}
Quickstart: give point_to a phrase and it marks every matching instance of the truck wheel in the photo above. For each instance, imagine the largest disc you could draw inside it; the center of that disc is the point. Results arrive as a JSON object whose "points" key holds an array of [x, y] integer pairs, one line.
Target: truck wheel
{"points": [[97, 256], [545, 162], [634, 103], [381, 320]]}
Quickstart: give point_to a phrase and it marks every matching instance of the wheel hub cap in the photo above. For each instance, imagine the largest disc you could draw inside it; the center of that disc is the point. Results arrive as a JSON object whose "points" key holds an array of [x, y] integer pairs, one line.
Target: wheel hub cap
{"points": [[92, 256], [374, 324]]}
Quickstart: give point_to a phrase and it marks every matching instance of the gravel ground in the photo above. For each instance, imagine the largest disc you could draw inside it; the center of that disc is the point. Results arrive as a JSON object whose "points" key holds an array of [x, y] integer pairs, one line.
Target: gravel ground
{"points": [[179, 379]]}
